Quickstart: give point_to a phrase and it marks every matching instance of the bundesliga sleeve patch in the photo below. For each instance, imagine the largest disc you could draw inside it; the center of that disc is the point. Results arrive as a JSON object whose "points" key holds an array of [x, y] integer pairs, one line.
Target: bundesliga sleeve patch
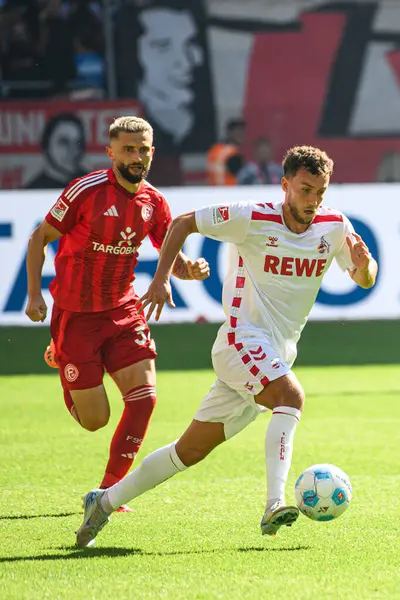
{"points": [[59, 210], [220, 214]]}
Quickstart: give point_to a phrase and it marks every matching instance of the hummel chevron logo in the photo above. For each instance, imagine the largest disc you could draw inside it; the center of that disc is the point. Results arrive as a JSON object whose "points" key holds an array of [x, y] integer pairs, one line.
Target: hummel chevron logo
{"points": [[258, 354], [111, 212]]}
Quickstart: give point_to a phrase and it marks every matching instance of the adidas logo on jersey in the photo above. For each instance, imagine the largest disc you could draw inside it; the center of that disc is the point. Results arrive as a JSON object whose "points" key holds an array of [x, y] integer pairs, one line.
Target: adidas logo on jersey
{"points": [[111, 212]]}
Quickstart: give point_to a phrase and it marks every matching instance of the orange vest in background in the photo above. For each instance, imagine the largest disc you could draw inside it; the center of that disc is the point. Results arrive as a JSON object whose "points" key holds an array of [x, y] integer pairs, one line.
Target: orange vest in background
{"points": [[216, 169]]}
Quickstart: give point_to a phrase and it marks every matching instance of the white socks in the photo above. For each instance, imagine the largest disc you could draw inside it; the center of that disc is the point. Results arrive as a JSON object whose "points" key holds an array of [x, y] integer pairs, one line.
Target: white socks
{"points": [[278, 450], [157, 467], [164, 463]]}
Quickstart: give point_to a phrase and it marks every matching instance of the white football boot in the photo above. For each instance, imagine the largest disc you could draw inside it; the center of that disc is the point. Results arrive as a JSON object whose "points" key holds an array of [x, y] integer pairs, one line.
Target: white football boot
{"points": [[279, 514], [94, 519]]}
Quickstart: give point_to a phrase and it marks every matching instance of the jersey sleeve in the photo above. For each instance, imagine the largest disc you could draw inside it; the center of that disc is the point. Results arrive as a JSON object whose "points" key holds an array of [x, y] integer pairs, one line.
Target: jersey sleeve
{"points": [[64, 214], [162, 221], [224, 223], [343, 257]]}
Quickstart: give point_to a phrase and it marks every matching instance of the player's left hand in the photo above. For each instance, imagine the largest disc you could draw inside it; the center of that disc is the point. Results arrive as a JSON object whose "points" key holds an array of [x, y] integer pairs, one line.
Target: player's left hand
{"points": [[360, 254], [157, 295], [199, 269]]}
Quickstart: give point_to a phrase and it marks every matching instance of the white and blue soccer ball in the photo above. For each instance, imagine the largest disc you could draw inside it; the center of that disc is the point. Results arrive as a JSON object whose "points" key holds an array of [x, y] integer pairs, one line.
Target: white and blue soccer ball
{"points": [[323, 492]]}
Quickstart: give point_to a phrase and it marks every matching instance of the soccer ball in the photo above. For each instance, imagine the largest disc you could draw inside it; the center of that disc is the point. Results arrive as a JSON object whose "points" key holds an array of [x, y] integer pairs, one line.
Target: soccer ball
{"points": [[323, 492]]}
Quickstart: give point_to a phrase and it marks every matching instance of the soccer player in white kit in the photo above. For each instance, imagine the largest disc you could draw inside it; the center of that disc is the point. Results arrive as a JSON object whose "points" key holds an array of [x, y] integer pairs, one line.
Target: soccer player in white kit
{"points": [[278, 256]]}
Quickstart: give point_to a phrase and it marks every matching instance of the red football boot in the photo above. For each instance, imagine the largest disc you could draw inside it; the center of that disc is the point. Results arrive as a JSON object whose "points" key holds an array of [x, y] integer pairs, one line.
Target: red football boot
{"points": [[125, 509], [50, 356]]}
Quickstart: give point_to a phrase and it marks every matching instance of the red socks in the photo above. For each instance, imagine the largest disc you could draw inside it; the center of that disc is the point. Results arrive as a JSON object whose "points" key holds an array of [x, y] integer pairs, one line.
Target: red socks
{"points": [[130, 432]]}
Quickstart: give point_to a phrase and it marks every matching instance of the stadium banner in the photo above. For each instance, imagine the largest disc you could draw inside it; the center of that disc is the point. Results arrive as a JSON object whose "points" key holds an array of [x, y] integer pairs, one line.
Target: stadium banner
{"points": [[44, 145], [227, 59], [373, 210], [196, 65]]}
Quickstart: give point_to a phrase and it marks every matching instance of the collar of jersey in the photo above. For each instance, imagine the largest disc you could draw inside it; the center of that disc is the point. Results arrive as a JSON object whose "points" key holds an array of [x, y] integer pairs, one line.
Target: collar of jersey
{"points": [[113, 180], [279, 208]]}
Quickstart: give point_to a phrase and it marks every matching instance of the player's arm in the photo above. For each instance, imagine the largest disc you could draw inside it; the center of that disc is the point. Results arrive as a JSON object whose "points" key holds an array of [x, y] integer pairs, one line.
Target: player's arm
{"points": [[159, 291], [61, 218], [184, 268], [218, 222], [36, 308], [180, 268], [366, 267]]}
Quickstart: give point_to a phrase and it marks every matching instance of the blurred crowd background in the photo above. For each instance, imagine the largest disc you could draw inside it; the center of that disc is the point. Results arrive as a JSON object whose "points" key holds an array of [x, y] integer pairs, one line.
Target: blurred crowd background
{"points": [[52, 49], [227, 85]]}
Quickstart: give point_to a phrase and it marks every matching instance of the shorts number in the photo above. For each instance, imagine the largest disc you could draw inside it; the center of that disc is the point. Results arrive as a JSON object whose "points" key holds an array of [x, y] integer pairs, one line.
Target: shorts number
{"points": [[143, 335]]}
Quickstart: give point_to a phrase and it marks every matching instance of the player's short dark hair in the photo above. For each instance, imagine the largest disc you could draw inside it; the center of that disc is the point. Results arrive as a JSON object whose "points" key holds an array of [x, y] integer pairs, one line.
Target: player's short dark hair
{"points": [[235, 124], [314, 160], [129, 125], [53, 123]]}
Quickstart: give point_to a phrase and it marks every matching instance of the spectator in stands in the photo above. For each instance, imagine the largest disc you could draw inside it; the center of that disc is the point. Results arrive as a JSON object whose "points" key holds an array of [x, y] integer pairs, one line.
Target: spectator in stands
{"points": [[86, 24], [225, 159], [90, 70], [389, 168], [63, 145], [19, 49], [263, 170], [87, 31], [13, 11], [57, 46], [21, 57]]}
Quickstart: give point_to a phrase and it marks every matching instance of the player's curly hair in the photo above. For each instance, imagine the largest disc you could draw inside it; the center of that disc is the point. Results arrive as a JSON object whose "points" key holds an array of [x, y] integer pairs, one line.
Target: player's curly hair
{"points": [[314, 160], [130, 125]]}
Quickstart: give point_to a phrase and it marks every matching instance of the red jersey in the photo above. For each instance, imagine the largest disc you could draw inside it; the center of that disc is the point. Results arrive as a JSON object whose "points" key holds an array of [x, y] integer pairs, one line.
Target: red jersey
{"points": [[103, 226]]}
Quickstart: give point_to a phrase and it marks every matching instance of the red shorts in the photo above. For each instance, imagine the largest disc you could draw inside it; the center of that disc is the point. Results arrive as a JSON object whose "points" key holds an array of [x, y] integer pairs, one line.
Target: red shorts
{"points": [[87, 344]]}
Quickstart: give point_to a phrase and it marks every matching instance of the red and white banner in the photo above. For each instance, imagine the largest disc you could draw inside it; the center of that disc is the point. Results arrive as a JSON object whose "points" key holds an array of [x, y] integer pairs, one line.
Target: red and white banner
{"points": [[44, 143], [317, 72]]}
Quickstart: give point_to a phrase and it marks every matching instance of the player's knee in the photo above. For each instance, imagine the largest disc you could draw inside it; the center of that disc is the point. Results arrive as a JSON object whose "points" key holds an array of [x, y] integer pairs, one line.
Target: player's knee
{"points": [[293, 393], [143, 396], [285, 391], [296, 399], [191, 455], [288, 392]]}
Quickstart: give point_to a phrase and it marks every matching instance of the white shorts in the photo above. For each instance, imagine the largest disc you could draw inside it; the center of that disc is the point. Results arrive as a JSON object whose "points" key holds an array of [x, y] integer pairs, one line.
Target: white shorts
{"points": [[243, 370]]}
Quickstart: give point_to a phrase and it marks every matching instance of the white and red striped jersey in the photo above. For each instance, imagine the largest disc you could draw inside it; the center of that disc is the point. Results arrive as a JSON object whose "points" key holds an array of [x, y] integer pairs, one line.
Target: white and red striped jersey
{"points": [[273, 275]]}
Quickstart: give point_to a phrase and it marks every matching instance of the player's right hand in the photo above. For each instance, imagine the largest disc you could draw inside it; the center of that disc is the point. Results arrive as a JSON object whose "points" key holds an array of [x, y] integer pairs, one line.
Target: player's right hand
{"points": [[36, 308], [156, 296]]}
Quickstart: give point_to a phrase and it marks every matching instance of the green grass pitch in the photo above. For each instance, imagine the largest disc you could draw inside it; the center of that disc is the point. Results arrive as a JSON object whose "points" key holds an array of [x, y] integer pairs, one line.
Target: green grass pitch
{"points": [[197, 536]]}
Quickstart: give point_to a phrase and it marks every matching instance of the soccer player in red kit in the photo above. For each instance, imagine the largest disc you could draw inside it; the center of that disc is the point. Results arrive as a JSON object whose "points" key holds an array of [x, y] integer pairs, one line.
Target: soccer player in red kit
{"points": [[102, 219]]}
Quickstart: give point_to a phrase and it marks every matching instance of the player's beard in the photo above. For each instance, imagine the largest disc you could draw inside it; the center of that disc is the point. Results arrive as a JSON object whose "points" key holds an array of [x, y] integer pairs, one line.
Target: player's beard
{"points": [[133, 177], [297, 217]]}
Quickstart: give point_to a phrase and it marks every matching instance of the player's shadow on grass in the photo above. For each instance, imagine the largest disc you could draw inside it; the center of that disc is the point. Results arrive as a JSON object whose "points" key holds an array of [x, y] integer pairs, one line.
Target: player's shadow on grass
{"points": [[222, 550], [73, 553], [76, 554], [269, 549], [53, 515]]}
